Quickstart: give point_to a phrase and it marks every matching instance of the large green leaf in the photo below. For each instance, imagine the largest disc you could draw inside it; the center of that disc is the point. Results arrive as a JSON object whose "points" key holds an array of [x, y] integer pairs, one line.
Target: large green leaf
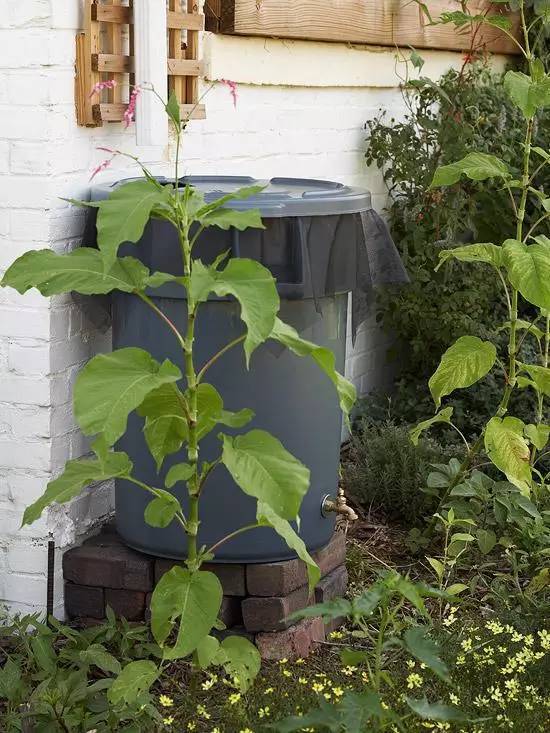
{"points": [[264, 469], [476, 166], [75, 477], [166, 428], [509, 451], [241, 661], [233, 218], [528, 94], [252, 285], [435, 711], [529, 269], [442, 416], [480, 252], [161, 511], [537, 435], [84, 271], [193, 600], [97, 655], [419, 644], [540, 376], [179, 472], [123, 216], [135, 678], [112, 385], [267, 517], [324, 358], [239, 195], [464, 363], [211, 412]]}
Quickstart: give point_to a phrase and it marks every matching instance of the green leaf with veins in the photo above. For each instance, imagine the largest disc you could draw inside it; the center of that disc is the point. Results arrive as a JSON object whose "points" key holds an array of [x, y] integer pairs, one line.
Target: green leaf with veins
{"points": [[264, 469], [135, 679], [77, 475], [210, 411], [443, 416], [179, 472], [166, 428], [83, 271], [233, 218], [112, 385], [161, 511], [437, 711], [251, 284], [507, 448], [124, 215], [324, 358], [476, 166], [207, 652], [268, 517], [417, 642], [528, 268], [190, 599], [481, 252], [464, 363], [173, 109], [540, 376], [537, 435], [241, 661], [528, 94], [239, 195]]}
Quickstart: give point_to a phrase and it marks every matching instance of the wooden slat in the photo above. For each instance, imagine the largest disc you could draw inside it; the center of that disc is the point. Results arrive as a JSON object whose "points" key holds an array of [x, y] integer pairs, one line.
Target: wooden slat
{"points": [[379, 22], [115, 112], [113, 64], [112, 14], [175, 51], [87, 44], [192, 53], [114, 40], [185, 21], [184, 67]]}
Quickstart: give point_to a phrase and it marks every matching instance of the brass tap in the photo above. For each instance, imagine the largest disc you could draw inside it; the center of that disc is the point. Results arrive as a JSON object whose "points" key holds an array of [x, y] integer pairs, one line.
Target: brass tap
{"points": [[338, 506]]}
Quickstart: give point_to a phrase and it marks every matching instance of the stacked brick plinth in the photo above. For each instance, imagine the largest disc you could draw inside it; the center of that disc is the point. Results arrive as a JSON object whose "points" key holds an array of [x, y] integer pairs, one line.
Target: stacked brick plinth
{"points": [[257, 598]]}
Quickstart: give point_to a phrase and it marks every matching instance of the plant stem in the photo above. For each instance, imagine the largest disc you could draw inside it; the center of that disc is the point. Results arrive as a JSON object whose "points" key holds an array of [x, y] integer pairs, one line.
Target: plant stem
{"points": [[217, 356], [231, 535], [173, 328]]}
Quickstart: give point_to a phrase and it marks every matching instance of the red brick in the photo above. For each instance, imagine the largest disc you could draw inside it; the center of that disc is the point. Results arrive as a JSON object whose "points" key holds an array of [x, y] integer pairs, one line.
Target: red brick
{"points": [[235, 631], [269, 614], [281, 578], [232, 577], [292, 643], [127, 603], [114, 566], [83, 601], [333, 585], [231, 612]]}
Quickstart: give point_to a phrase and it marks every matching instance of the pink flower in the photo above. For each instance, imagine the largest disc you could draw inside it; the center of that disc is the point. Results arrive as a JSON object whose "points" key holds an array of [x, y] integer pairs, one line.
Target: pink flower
{"points": [[101, 85], [106, 163], [130, 113], [232, 86]]}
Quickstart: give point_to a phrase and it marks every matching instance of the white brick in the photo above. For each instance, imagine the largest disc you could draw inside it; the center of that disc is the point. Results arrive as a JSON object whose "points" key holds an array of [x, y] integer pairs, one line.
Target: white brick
{"points": [[28, 13], [33, 192], [29, 225], [32, 357], [30, 158], [24, 322], [25, 390], [25, 454]]}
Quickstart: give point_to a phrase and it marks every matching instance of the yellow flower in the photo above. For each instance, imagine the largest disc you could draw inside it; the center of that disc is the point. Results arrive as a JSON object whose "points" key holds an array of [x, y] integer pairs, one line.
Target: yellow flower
{"points": [[202, 712], [287, 673], [166, 701], [317, 687], [191, 726], [337, 691], [454, 698], [264, 712], [234, 698], [414, 680], [299, 661], [269, 691], [466, 645], [284, 660], [336, 635], [169, 720], [246, 730], [302, 681], [349, 670], [210, 682]]}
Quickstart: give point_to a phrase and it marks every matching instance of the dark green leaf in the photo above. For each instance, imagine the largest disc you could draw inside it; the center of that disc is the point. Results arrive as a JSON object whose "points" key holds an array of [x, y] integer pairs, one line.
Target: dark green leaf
{"points": [[529, 269], [418, 643], [162, 510], [179, 472], [476, 166]]}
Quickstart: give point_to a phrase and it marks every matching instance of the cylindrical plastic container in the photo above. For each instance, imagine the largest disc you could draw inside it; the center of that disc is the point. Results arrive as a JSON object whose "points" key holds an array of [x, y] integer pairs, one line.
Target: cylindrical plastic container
{"points": [[310, 242]]}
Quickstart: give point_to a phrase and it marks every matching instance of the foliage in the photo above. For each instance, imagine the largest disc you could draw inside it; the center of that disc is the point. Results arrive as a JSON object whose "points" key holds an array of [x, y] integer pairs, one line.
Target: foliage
{"points": [[179, 408], [466, 111], [385, 471]]}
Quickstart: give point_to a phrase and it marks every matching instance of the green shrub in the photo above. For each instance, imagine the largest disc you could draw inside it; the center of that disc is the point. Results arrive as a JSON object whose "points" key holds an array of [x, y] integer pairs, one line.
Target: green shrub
{"points": [[385, 471]]}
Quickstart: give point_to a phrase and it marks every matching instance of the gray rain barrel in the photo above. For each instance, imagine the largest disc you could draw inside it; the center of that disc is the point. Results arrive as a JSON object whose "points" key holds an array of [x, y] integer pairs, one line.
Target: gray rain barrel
{"points": [[312, 243]]}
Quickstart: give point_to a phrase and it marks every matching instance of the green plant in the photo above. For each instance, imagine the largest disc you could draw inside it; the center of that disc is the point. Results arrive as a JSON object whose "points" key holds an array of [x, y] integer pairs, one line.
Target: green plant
{"points": [[384, 470], [186, 601], [383, 634], [466, 110], [522, 266]]}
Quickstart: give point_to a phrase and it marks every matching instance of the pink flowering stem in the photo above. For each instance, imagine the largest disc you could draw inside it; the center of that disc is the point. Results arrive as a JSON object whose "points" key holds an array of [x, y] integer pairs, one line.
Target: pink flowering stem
{"points": [[101, 85], [232, 86]]}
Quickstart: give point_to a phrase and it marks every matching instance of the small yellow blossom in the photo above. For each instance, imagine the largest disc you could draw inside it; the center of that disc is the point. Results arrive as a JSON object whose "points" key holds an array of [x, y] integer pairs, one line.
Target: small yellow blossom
{"points": [[349, 670], [169, 720], [302, 681], [317, 687], [264, 712], [234, 698], [287, 673], [414, 680], [299, 661], [166, 701], [337, 691], [269, 691], [191, 725]]}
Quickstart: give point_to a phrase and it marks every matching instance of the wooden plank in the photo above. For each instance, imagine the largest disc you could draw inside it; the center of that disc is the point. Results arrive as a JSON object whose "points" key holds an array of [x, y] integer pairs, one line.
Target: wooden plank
{"points": [[175, 51], [185, 21], [192, 54], [379, 22], [114, 40], [87, 43], [112, 64], [213, 12], [115, 112], [184, 67], [115, 13]]}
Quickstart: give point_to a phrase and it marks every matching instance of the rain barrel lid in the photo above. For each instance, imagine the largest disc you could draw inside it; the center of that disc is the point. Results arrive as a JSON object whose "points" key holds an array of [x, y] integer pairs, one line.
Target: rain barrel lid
{"points": [[281, 197]]}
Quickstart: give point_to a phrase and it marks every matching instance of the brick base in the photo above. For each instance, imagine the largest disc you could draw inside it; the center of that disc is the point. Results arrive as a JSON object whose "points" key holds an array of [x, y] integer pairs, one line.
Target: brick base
{"points": [[257, 598]]}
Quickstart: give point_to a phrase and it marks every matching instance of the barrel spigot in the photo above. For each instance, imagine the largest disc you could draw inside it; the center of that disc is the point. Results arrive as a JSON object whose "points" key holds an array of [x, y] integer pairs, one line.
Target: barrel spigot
{"points": [[338, 506]]}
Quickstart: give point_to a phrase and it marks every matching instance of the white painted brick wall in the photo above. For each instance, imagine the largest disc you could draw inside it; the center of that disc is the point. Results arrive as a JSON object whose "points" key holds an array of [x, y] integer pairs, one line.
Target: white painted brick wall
{"points": [[275, 130]]}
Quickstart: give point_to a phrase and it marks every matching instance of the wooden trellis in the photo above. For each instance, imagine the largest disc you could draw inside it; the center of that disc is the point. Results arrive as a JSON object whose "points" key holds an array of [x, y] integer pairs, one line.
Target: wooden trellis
{"points": [[104, 50]]}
